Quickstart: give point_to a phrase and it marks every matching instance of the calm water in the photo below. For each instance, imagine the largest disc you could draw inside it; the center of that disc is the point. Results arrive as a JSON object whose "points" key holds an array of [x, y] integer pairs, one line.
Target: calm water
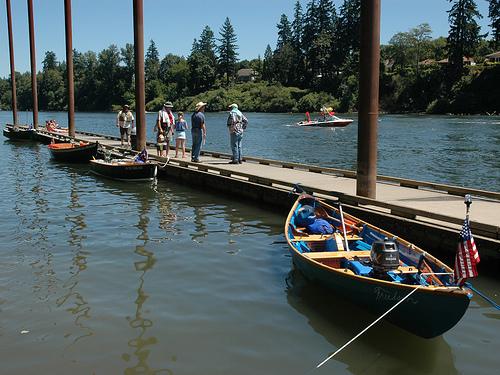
{"points": [[107, 277]]}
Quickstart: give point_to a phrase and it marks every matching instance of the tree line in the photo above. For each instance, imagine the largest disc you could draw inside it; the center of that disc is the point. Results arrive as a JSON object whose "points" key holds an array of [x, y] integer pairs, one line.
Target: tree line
{"points": [[315, 61]]}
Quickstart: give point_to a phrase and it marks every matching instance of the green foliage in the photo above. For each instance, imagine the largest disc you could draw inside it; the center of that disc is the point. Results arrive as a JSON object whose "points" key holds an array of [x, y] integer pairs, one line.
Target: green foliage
{"points": [[227, 50], [494, 14], [313, 101], [315, 62], [464, 33]]}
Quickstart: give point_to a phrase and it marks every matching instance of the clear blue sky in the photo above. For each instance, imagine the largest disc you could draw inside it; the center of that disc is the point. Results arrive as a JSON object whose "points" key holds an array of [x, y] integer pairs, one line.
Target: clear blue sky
{"points": [[174, 24]]}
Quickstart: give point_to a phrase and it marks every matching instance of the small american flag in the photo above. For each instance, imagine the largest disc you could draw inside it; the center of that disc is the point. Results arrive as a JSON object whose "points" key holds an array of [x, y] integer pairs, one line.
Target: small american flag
{"points": [[467, 256], [142, 157]]}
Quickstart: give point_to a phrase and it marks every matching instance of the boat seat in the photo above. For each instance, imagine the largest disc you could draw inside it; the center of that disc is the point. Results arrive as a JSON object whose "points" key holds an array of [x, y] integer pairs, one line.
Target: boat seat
{"points": [[337, 254]]}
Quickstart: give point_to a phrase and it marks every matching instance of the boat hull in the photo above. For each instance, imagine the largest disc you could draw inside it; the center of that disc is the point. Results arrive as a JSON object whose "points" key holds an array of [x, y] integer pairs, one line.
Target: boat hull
{"points": [[21, 135], [75, 154], [126, 171], [425, 313]]}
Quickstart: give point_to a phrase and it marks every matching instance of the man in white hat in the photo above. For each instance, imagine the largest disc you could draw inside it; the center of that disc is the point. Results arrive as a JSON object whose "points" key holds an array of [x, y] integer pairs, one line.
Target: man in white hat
{"points": [[198, 130], [236, 124]]}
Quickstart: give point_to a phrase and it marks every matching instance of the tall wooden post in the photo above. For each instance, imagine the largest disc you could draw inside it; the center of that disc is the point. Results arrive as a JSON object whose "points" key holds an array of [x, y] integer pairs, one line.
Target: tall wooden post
{"points": [[369, 65], [34, 91], [69, 68], [12, 65], [140, 106]]}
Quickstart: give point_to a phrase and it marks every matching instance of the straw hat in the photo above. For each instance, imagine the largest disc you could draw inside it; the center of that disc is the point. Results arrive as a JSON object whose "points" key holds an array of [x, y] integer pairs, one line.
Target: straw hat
{"points": [[199, 105], [168, 105]]}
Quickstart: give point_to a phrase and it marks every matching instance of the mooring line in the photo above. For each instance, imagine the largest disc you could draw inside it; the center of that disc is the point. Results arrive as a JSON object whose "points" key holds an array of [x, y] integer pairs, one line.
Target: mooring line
{"points": [[367, 328]]}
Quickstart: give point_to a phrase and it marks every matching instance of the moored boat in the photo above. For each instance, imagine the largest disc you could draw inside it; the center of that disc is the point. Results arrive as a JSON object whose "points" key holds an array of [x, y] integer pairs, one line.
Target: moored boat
{"points": [[124, 169], [80, 152], [374, 269], [15, 133]]}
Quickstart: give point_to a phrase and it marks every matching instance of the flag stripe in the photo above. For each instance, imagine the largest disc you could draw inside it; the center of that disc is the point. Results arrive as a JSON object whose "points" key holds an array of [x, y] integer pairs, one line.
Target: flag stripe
{"points": [[467, 255]]}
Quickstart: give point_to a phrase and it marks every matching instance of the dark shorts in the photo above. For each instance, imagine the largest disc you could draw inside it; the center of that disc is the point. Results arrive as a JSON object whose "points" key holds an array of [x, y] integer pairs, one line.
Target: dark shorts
{"points": [[124, 131]]}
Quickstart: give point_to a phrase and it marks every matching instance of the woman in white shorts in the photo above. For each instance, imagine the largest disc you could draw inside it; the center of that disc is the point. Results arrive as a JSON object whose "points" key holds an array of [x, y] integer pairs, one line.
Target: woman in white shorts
{"points": [[180, 134]]}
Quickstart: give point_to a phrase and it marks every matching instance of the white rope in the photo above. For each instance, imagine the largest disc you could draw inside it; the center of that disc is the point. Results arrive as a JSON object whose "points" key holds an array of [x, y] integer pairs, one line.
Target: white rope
{"points": [[367, 328]]}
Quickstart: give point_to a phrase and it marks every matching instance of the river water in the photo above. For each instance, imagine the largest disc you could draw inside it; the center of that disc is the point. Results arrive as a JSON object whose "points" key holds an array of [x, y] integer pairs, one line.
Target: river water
{"points": [[108, 277]]}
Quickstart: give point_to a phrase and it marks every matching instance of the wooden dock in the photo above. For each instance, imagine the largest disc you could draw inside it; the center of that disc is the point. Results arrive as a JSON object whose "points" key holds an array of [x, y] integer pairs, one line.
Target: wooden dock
{"points": [[422, 212]]}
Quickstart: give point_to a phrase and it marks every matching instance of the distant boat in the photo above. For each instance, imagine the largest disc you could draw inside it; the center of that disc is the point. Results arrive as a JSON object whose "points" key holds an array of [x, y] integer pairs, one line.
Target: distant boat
{"points": [[374, 269], [332, 122], [124, 169], [18, 133], [73, 152]]}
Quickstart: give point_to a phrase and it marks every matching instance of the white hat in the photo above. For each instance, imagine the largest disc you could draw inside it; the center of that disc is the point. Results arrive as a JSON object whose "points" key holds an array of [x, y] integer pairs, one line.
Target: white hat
{"points": [[199, 105], [234, 105]]}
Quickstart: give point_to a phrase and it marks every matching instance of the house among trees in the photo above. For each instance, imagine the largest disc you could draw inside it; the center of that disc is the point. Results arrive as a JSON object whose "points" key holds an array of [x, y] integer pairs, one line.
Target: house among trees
{"points": [[246, 75], [427, 62], [467, 61], [493, 57]]}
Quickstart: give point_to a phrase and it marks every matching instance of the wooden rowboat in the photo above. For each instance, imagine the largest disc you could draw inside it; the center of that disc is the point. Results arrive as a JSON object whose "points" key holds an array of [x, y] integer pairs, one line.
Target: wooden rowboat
{"points": [[375, 270], [124, 169], [15, 133], [73, 152]]}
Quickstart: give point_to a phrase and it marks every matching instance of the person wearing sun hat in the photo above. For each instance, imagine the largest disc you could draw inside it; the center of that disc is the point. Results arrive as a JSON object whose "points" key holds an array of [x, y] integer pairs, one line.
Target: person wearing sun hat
{"points": [[125, 120], [198, 130], [236, 124], [165, 127]]}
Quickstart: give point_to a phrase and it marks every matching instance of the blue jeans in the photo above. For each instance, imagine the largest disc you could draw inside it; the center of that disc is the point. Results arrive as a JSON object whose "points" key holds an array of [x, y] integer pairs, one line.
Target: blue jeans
{"points": [[196, 148], [236, 146]]}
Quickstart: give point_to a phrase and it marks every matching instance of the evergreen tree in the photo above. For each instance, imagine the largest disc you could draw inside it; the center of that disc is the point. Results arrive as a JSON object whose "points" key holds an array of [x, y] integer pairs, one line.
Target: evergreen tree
{"points": [[311, 31], [298, 58], [202, 62], [50, 61], [297, 26], [152, 62], [494, 14], [128, 60], [206, 45], [326, 15], [268, 65], [464, 35], [348, 32], [284, 32], [227, 50], [107, 74]]}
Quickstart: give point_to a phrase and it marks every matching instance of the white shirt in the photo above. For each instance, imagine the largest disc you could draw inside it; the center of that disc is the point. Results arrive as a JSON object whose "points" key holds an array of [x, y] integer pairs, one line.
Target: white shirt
{"points": [[163, 117]]}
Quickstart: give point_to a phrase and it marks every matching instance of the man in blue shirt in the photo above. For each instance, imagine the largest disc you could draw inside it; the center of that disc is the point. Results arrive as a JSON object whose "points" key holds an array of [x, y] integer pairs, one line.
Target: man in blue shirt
{"points": [[198, 131]]}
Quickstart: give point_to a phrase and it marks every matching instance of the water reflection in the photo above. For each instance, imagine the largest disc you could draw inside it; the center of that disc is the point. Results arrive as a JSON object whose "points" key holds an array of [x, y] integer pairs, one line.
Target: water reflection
{"points": [[383, 349], [31, 206], [142, 344], [75, 301]]}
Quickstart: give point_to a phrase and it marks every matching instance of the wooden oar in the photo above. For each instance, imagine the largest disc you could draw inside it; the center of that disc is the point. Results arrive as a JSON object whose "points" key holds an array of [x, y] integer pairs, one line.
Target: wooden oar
{"points": [[343, 227]]}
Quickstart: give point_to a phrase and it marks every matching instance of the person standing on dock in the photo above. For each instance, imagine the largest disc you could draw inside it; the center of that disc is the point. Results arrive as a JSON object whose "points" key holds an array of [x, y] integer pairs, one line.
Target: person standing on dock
{"points": [[180, 135], [198, 131], [164, 125], [236, 124], [124, 120]]}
